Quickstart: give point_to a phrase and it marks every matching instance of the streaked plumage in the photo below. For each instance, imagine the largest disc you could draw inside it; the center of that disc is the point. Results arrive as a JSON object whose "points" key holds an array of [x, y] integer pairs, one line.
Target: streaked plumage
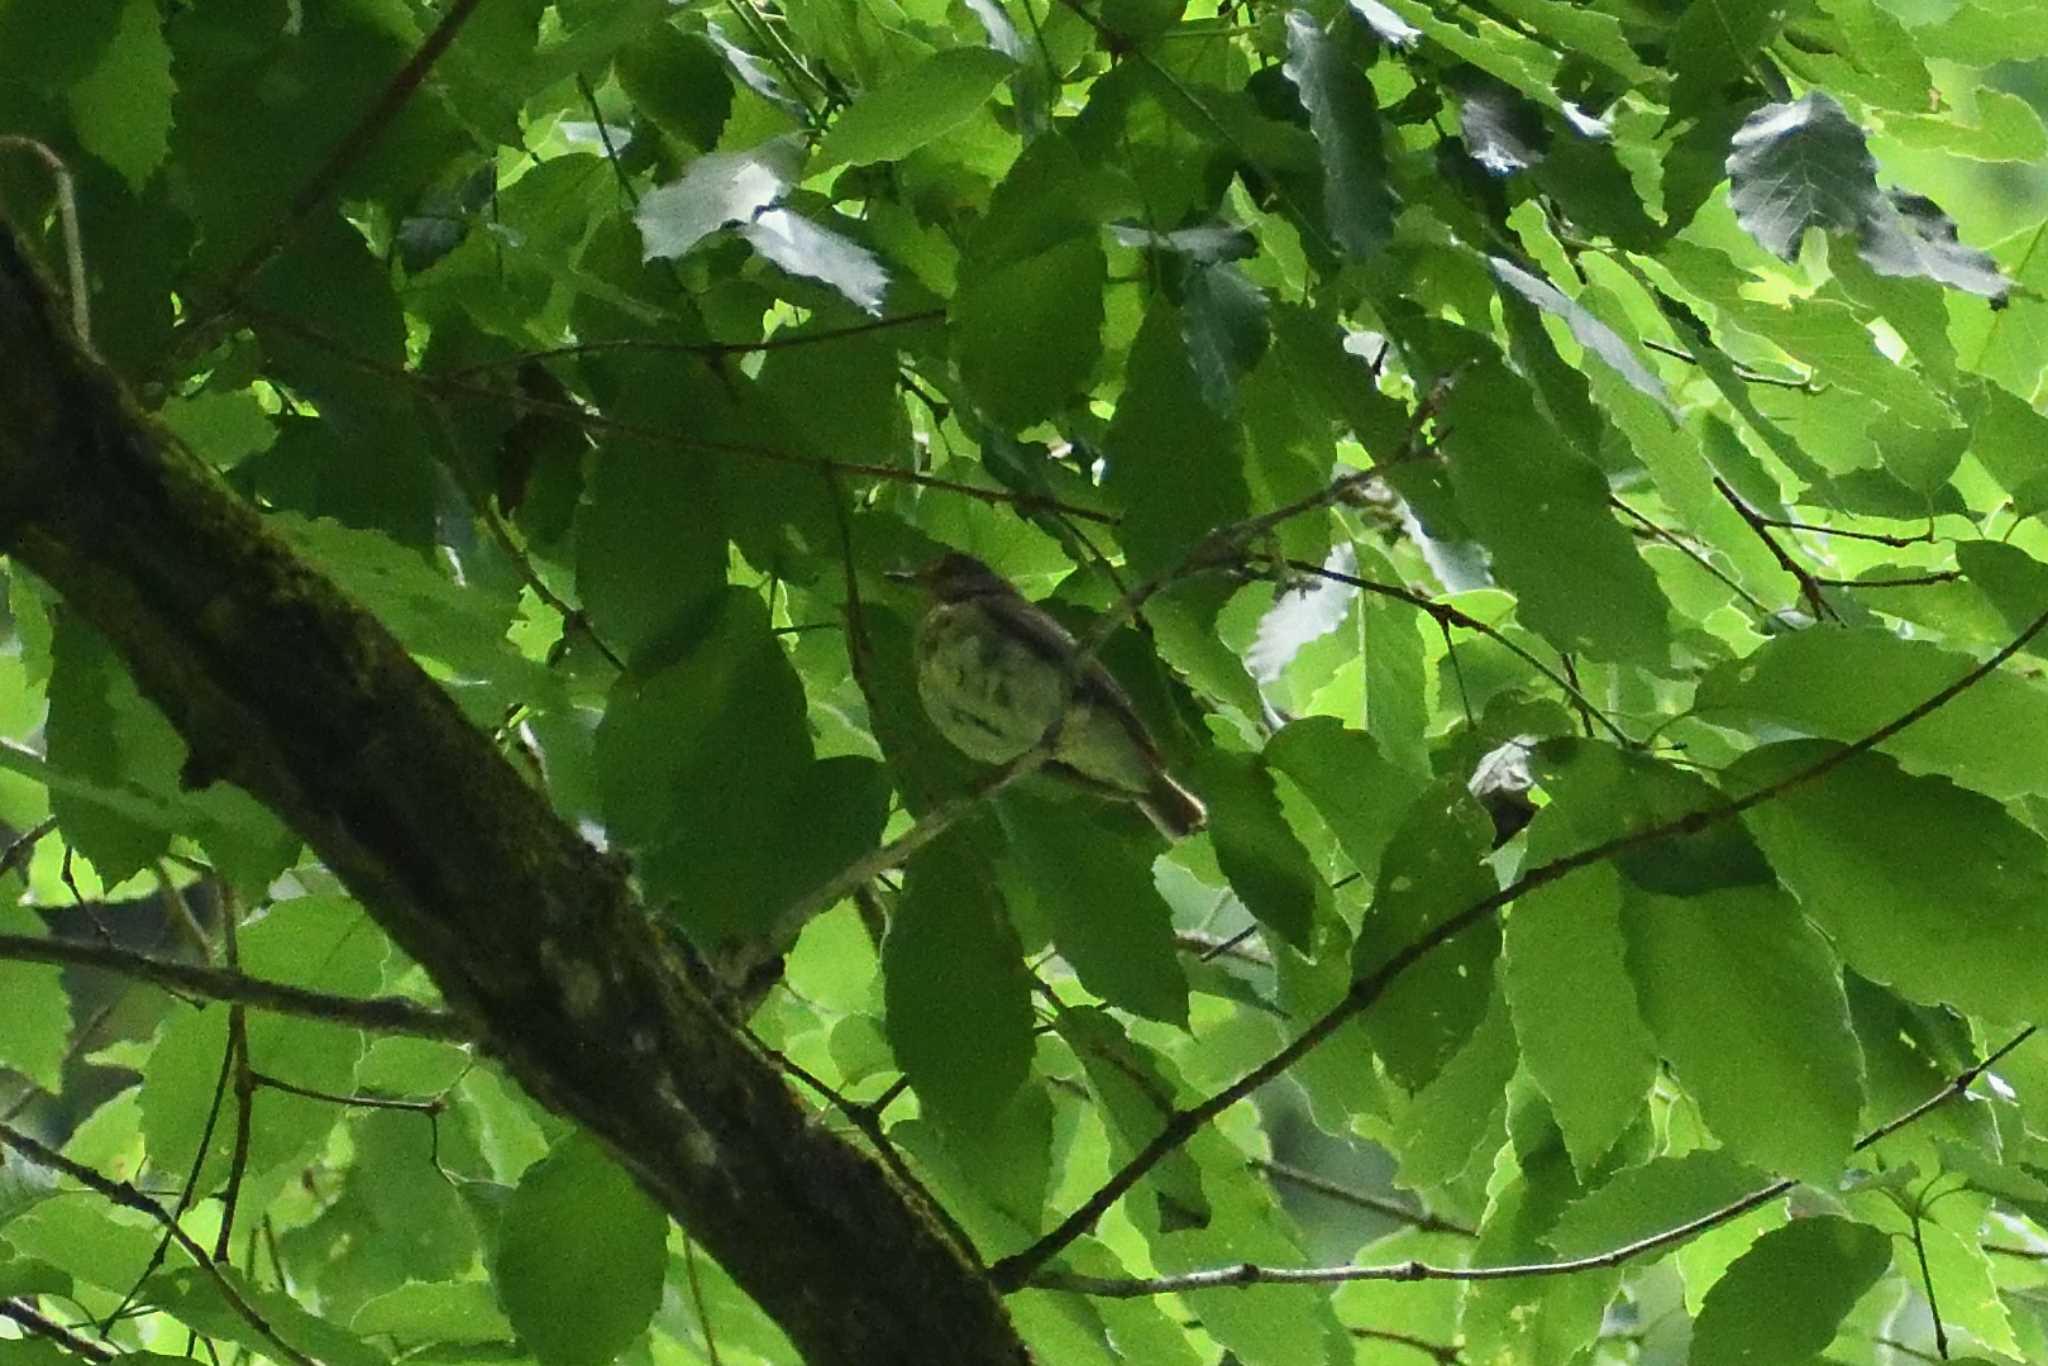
{"points": [[992, 674]]}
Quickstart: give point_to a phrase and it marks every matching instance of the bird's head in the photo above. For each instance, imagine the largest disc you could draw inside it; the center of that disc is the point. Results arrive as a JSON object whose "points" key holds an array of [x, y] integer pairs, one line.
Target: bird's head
{"points": [[953, 577]]}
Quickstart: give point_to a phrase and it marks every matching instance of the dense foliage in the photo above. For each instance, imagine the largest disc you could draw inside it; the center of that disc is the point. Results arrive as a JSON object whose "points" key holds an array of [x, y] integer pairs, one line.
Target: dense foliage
{"points": [[1561, 481]]}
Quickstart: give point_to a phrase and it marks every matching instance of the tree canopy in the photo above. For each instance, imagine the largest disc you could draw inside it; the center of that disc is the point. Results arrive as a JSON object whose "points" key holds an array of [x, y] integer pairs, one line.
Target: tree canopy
{"points": [[1558, 480]]}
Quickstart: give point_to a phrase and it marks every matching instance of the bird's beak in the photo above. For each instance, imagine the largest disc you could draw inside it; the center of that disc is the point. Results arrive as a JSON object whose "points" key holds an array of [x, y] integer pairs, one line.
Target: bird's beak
{"points": [[900, 575]]}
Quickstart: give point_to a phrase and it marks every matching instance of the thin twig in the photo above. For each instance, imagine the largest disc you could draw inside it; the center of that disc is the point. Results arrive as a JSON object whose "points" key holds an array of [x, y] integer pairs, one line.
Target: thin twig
{"points": [[74, 240], [697, 1299], [127, 1197], [1746, 375], [1248, 1273], [379, 1014], [357, 1101], [1926, 537], [1903, 581], [56, 1332], [1015, 1270], [1446, 1355], [1809, 587], [24, 845], [1392, 1209], [1208, 947], [244, 1077], [867, 1119], [1927, 1286], [397, 92], [604, 135], [597, 422], [929, 827], [187, 1193], [1672, 539], [573, 618], [1446, 615], [711, 349]]}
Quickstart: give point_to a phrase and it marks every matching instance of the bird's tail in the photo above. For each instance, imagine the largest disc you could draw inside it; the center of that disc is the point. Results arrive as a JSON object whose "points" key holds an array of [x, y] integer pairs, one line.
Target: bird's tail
{"points": [[1174, 809]]}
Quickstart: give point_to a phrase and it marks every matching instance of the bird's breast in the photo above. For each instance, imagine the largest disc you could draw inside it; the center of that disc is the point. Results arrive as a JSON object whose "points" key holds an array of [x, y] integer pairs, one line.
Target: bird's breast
{"points": [[987, 692]]}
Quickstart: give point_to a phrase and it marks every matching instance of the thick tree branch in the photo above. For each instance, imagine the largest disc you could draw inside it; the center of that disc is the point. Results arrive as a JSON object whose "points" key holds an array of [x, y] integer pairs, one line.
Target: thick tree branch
{"points": [[281, 685]]}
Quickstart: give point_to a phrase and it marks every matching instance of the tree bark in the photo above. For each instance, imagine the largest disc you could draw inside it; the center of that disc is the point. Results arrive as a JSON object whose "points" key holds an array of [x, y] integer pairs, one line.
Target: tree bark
{"points": [[280, 684]]}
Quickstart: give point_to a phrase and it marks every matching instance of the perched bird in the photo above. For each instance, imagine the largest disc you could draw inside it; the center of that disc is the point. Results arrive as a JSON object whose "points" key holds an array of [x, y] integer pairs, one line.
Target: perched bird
{"points": [[995, 673]]}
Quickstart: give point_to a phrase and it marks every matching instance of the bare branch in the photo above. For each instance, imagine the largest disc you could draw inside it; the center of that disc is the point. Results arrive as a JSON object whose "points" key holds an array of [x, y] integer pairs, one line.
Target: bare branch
{"points": [[1113, 1287], [125, 1195], [379, 1014], [1014, 1271], [397, 93], [711, 348], [56, 1332]]}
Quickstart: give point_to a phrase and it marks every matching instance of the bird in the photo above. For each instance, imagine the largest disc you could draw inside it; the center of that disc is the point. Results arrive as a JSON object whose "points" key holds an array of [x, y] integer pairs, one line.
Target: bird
{"points": [[996, 673]]}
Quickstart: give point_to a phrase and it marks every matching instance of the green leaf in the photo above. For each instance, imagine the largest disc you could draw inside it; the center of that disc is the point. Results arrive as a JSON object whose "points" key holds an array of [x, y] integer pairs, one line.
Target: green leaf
{"points": [[1927, 887], [1542, 511], [1745, 999], [926, 102], [580, 1258], [1355, 789], [443, 1312], [1095, 889], [1786, 1297], [1531, 1320], [2015, 581], [1175, 463], [1256, 849], [2006, 434], [1434, 869], [957, 997], [122, 107], [2004, 128], [1581, 1033], [194, 1299], [38, 1023], [1661, 1194], [672, 791], [1458, 1113], [321, 943], [224, 429], [1715, 44], [651, 561], [1223, 321], [1596, 336], [54, 42], [420, 1216], [1027, 332], [261, 105], [1845, 684], [100, 730], [1358, 206], [431, 614], [1137, 1093], [679, 81], [1601, 793]]}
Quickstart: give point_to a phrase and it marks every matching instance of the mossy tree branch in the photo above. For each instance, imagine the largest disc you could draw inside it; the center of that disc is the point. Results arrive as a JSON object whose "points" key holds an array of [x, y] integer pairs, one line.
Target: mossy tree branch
{"points": [[283, 686]]}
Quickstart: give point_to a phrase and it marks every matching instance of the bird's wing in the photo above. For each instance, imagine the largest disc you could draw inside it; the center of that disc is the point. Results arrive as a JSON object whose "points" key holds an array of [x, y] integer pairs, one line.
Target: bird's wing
{"points": [[1043, 634]]}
